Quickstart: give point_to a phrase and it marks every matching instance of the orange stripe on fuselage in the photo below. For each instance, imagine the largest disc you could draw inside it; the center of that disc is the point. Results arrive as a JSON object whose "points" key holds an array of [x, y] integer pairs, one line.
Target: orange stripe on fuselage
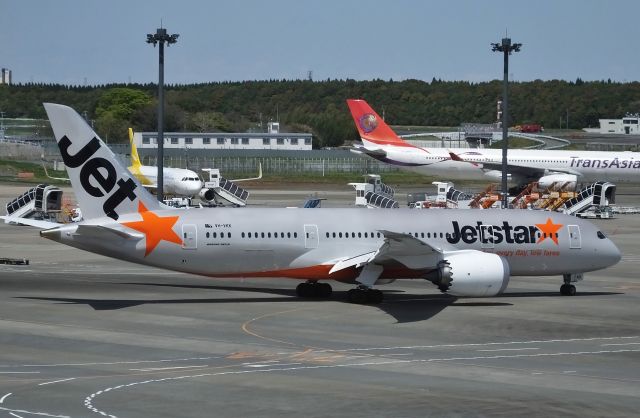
{"points": [[321, 272]]}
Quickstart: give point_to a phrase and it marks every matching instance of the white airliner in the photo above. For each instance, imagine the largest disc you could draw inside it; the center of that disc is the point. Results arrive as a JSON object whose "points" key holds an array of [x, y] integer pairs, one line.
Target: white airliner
{"points": [[462, 252], [548, 167], [176, 181]]}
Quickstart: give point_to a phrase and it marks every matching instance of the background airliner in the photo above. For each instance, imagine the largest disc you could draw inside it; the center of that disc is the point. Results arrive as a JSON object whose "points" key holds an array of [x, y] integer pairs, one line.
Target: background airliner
{"points": [[176, 181], [462, 252], [544, 166]]}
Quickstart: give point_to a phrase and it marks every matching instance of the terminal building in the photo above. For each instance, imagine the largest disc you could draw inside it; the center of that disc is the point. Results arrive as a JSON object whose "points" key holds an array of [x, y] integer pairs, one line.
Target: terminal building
{"points": [[629, 125], [271, 140]]}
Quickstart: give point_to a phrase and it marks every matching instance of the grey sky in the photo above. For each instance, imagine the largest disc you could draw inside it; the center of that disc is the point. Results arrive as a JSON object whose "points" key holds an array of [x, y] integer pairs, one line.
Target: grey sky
{"points": [[70, 41]]}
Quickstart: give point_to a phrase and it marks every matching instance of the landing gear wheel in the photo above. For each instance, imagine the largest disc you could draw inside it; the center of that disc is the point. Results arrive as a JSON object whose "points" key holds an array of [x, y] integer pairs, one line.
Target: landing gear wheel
{"points": [[304, 290], [567, 290], [374, 296], [324, 290], [314, 290], [358, 296]]}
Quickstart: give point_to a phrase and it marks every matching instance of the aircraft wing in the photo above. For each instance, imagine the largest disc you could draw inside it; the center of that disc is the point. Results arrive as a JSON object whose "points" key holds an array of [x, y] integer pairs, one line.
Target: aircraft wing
{"points": [[397, 247]]}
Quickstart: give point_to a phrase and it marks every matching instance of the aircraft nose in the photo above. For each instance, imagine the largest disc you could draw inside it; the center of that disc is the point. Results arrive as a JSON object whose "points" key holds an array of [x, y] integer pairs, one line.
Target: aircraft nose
{"points": [[609, 253]]}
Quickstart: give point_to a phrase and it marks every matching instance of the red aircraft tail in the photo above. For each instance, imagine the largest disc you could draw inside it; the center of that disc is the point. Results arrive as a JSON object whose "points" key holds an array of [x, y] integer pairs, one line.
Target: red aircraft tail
{"points": [[371, 126]]}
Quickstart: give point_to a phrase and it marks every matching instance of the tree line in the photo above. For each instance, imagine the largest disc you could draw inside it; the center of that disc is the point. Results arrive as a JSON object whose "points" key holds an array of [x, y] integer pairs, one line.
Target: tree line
{"points": [[319, 107]]}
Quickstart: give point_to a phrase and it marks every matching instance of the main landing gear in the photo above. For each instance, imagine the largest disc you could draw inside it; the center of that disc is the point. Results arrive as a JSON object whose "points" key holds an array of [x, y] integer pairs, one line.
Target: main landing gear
{"points": [[363, 294], [313, 289]]}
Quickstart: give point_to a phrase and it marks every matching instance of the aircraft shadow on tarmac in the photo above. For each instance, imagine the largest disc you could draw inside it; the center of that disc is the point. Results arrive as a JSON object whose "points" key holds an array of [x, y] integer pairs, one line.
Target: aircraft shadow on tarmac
{"points": [[404, 307]]}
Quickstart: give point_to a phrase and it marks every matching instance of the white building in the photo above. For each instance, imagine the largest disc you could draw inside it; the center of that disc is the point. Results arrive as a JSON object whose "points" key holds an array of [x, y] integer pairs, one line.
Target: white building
{"points": [[629, 125], [224, 140]]}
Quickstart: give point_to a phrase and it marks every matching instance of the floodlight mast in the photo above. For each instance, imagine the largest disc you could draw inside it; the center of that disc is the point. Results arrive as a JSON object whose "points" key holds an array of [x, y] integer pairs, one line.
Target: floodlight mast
{"points": [[506, 47], [161, 37]]}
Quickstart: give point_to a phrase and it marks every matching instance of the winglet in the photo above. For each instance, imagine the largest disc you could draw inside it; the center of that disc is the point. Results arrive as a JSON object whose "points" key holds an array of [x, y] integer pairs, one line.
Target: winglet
{"points": [[371, 126]]}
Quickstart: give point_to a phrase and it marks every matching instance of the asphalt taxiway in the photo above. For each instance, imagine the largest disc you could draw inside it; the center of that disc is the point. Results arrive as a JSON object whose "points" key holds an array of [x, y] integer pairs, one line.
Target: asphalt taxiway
{"points": [[83, 335]]}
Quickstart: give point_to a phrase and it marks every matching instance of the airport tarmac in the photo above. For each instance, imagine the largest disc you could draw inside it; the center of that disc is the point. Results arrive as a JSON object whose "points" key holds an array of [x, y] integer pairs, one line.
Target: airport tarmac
{"points": [[83, 335]]}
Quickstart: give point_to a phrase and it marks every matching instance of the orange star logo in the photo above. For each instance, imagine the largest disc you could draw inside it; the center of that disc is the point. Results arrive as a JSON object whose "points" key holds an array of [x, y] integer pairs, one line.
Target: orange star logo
{"points": [[156, 228], [548, 230]]}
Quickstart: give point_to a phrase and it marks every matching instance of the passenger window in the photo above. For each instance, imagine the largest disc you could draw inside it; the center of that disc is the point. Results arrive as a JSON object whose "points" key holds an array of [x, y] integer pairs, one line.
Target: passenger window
{"points": [[242, 235], [262, 234], [327, 235], [207, 235], [215, 234], [288, 234], [295, 235]]}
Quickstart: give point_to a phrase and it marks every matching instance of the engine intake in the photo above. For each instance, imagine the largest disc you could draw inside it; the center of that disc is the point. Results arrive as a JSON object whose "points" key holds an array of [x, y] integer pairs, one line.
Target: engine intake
{"points": [[208, 195]]}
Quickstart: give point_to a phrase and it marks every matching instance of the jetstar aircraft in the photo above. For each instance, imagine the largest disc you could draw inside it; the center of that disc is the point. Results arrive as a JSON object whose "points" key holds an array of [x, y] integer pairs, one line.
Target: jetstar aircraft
{"points": [[462, 252], [547, 167], [176, 181]]}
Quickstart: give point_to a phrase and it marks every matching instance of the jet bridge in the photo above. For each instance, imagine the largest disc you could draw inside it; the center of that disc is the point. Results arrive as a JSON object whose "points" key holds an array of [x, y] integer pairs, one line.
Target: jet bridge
{"points": [[40, 202]]}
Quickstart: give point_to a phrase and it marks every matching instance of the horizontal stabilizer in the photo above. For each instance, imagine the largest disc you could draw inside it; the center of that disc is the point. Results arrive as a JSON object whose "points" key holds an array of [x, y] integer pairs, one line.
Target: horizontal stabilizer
{"points": [[31, 222], [99, 231]]}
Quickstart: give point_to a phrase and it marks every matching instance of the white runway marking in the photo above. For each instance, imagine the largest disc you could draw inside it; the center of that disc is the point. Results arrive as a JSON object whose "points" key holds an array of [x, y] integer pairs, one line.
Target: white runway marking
{"points": [[15, 415], [510, 349], [604, 345], [88, 402], [477, 344], [22, 411], [156, 369], [5, 397], [56, 381]]}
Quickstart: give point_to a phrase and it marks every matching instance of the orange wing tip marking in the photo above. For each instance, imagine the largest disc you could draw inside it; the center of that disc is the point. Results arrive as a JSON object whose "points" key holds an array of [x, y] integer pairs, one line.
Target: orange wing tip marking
{"points": [[548, 230], [156, 228]]}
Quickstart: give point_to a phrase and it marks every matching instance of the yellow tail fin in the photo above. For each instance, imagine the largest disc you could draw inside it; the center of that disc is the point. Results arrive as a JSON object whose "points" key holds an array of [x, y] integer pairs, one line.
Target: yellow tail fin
{"points": [[135, 159]]}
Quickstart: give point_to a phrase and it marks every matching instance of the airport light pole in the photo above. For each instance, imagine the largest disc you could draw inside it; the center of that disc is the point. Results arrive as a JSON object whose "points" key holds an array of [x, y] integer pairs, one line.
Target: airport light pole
{"points": [[506, 47], [161, 37]]}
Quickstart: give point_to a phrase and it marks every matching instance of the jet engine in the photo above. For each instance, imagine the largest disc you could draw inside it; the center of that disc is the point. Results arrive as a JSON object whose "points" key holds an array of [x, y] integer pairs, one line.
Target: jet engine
{"points": [[558, 182], [472, 273], [207, 195]]}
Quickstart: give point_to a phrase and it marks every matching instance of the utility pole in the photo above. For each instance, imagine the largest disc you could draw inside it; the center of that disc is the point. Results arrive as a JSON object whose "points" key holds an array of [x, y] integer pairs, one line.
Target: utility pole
{"points": [[161, 37], [506, 47]]}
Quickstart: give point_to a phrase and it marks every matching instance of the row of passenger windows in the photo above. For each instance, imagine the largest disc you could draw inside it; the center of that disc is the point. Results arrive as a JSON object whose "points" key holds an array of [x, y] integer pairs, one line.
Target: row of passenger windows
{"points": [[340, 235], [269, 235]]}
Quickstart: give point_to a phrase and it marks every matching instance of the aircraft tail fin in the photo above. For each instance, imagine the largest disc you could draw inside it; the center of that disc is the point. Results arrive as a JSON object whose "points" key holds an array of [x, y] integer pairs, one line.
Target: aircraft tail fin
{"points": [[135, 158], [371, 126], [102, 185]]}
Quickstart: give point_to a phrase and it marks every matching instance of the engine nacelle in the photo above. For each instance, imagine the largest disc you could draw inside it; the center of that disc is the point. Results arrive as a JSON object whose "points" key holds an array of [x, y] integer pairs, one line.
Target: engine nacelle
{"points": [[207, 195], [472, 273], [558, 182]]}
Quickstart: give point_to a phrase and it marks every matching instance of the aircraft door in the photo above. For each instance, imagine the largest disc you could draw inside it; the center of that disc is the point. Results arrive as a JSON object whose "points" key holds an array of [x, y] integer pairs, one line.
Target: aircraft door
{"points": [[311, 236], [574, 236], [189, 237]]}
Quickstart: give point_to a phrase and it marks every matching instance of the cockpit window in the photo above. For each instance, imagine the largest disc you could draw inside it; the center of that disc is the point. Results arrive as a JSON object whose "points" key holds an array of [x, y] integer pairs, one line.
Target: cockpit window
{"points": [[601, 235]]}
